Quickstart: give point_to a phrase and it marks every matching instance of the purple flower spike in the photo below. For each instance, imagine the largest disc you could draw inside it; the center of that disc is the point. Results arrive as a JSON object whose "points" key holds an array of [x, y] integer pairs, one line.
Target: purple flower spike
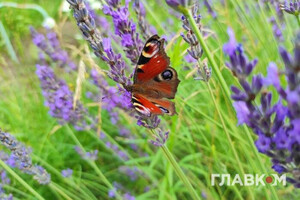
{"points": [[276, 29], [281, 139], [279, 168], [230, 47], [195, 51], [102, 48], [59, 99], [22, 160], [145, 28], [208, 4], [263, 143], [67, 173], [126, 30], [51, 47], [99, 20], [176, 4], [160, 138], [112, 193], [132, 173], [4, 181], [291, 7], [92, 155], [273, 76], [113, 3], [242, 112], [277, 125], [128, 196]]}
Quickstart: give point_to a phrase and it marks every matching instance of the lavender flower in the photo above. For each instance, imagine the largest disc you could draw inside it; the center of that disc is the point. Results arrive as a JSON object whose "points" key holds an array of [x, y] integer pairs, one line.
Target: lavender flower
{"points": [[291, 7], [188, 58], [160, 138], [150, 123], [114, 3], [208, 4], [121, 154], [22, 159], [276, 29], [239, 64], [67, 173], [109, 94], [40, 175], [126, 30], [117, 186], [5, 180], [276, 4], [112, 193], [99, 20], [59, 99], [132, 173], [263, 143], [277, 137], [178, 4], [292, 93], [128, 196], [91, 155], [204, 72], [101, 47], [145, 28], [51, 47], [195, 52], [4, 196]]}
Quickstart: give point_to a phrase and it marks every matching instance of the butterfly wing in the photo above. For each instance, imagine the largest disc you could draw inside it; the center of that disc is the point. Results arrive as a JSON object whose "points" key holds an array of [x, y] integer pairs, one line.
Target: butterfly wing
{"points": [[153, 71], [148, 106], [153, 60], [154, 80]]}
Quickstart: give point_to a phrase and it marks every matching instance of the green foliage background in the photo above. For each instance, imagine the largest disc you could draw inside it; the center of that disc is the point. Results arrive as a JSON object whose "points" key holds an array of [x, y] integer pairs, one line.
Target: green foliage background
{"points": [[197, 140]]}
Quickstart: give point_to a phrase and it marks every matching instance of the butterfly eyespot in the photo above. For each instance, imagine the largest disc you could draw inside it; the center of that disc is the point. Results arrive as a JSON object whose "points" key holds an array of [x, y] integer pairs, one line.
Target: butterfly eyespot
{"points": [[167, 75]]}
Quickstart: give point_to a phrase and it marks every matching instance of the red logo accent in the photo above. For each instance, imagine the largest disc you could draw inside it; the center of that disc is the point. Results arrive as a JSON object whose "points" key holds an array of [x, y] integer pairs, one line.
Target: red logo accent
{"points": [[269, 179]]}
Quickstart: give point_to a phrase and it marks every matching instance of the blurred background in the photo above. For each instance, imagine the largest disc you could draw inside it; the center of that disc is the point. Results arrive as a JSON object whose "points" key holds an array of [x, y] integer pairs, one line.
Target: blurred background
{"points": [[119, 159]]}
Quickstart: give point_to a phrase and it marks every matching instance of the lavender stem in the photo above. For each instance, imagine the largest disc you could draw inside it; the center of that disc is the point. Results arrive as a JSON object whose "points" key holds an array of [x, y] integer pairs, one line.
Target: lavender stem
{"points": [[20, 180], [92, 163], [178, 170]]}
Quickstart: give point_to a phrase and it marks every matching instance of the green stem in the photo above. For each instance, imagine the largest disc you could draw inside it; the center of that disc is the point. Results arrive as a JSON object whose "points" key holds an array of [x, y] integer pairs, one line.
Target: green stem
{"points": [[205, 48], [92, 163], [20, 180], [227, 134], [38, 8], [154, 16], [298, 19], [54, 187], [54, 171], [8, 44], [261, 165], [179, 172], [225, 88]]}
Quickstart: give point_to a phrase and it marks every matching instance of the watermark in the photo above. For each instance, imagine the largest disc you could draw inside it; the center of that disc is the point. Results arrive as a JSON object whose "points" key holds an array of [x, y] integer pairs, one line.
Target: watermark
{"points": [[248, 179]]}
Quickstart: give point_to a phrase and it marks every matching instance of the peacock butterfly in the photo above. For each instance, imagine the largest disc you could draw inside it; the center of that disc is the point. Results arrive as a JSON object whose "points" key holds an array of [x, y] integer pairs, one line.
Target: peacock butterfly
{"points": [[154, 80]]}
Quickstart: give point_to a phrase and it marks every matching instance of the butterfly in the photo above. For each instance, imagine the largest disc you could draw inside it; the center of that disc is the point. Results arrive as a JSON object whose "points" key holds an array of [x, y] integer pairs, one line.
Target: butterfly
{"points": [[154, 81]]}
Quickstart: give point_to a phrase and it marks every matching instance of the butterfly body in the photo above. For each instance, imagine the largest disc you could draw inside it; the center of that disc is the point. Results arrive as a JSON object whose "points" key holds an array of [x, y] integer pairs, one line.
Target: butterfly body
{"points": [[154, 80]]}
